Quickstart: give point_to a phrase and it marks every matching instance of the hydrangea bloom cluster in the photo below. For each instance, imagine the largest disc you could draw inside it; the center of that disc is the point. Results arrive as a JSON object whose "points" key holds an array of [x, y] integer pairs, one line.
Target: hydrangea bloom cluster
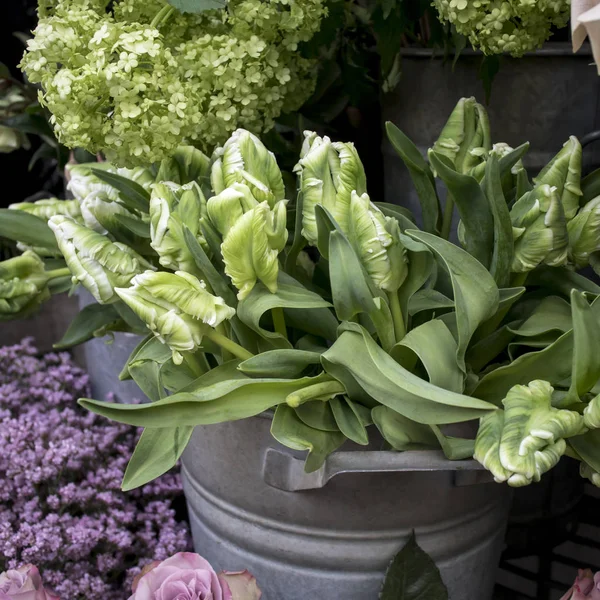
{"points": [[61, 507], [127, 82], [512, 26]]}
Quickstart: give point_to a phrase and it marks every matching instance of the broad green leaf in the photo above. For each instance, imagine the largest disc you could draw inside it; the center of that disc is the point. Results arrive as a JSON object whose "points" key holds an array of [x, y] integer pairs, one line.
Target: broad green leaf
{"points": [[429, 299], [586, 357], [156, 452], [20, 226], [290, 295], [590, 186], [552, 314], [404, 217], [390, 384], [197, 6], [124, 374], [351, 292], [131, 193], [587, 447], [210, 403], [473, 207], [553, 364], [435, 347], [318, 415], [213, 239], [509, 160], [413, 576], [488, 348], [528, 344], [176, 377], [134, 323], [282, 364], [503, 249], [454, 448], [290, 431], [349, 420], [91, 319], [217, 282], [298, 242], [136, 226], [476, 295], [402, 433], [561, 280], [421, 176], [153, 349], [147, 376]]}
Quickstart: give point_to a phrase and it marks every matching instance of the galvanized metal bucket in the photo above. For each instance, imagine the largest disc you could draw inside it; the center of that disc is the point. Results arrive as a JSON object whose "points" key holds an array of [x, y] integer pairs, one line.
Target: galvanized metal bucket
{"points": [[543, 98], [331, 534], [103, 360]]}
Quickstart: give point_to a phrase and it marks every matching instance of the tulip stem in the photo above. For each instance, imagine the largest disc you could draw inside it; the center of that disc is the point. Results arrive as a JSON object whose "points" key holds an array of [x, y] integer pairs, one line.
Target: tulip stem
{"points": [[228, 345], [279, 321], [448, 214], [64, 272], [397, 317], [225, 354], [197, 366]]}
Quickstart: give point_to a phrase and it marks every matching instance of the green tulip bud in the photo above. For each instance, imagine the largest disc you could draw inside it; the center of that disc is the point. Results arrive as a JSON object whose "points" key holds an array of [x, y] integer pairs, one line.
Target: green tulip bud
{"points": [[252, 245], [527, 439], [245, 159], [23, 286], [591, 414], [376, 239], [226, 208], [48, 207], [564, 173], [539, 230], [589, 473], [171, 208], [176, 307], [329, 173], [97, 263], [465, 139], [584, 233], [186, 164]]}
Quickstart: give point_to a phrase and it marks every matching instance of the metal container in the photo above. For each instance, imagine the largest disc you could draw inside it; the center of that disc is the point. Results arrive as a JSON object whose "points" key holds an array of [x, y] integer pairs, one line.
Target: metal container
{"points": [[103, 359], [331, 534], [543, 98]]}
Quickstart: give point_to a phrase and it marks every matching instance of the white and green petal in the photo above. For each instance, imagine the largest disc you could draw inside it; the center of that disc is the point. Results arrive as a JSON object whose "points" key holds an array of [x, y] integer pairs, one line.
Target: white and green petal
{"points": [[48, 207], [591, 413], [227, 207], [584, 233]]}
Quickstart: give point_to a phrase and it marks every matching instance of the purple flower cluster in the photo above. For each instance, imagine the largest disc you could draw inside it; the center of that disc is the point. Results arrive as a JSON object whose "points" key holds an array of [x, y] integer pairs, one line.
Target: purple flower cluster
{"points": [[61, 507]]}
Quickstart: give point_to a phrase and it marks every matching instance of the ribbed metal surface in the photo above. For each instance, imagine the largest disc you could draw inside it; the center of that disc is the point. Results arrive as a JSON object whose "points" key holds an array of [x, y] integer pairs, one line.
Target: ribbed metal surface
{"points": [[335, 541]]}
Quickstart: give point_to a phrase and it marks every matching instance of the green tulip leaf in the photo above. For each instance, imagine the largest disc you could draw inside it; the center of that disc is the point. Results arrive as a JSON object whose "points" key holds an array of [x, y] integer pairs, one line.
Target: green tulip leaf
{"points": [[131, 193], [473, 207], [402, 433], [138, 227], [404, 217], [476, 294], [92, 319], [317, 415], [21, 226], [390, 384], [552, 314], [421, 176], [587, 447], [146, 374], [429, 299], [349, 420], [286, 363], [156, 452], [454, 448], [289, 430], [561, 280], [488, 348], [176, 377]]}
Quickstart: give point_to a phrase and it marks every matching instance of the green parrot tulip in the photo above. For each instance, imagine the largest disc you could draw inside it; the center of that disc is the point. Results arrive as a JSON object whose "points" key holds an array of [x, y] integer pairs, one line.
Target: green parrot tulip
{"points": [[97, 263], [539, 230], [252, 245], [591, 413], [564, 173], [376, 239], [525, 440], [225, 209], [584, 234], [23, 285], [328, 174], [176, 307], [465, 139], [171, 208], [245, 159], [48, 207]]}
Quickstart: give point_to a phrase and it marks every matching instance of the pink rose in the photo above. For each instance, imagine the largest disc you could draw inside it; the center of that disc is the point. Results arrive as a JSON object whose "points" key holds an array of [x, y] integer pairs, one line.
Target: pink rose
{"points": [[188, 576], [586, 587], [24, 583]]}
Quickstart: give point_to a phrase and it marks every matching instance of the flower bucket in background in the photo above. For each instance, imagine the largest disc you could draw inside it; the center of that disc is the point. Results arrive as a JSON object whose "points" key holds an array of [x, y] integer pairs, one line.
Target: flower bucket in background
{"points": [[332, 533]]}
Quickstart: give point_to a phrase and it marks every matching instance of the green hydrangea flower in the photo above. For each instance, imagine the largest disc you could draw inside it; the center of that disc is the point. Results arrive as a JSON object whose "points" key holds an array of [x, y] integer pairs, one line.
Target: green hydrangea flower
{"points": [[539, 230], [328, 173], [176, 307], [171, 208], [23, 286], [511, 26], [525, 440], [122, 82], [97, 263], [252, 246]]}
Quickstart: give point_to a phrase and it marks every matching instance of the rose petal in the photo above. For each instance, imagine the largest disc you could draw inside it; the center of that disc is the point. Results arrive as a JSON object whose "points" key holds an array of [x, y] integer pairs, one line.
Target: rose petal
{"points": [[143, 572], [242, 585]]}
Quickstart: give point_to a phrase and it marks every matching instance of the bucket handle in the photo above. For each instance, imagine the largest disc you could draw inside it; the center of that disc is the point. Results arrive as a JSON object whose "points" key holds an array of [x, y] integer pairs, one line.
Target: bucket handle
{"points": [[284, 471]]}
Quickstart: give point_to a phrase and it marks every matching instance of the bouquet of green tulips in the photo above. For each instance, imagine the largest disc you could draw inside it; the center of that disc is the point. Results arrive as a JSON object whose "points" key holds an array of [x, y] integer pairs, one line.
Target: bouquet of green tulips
{"points": [[333, 311]]}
